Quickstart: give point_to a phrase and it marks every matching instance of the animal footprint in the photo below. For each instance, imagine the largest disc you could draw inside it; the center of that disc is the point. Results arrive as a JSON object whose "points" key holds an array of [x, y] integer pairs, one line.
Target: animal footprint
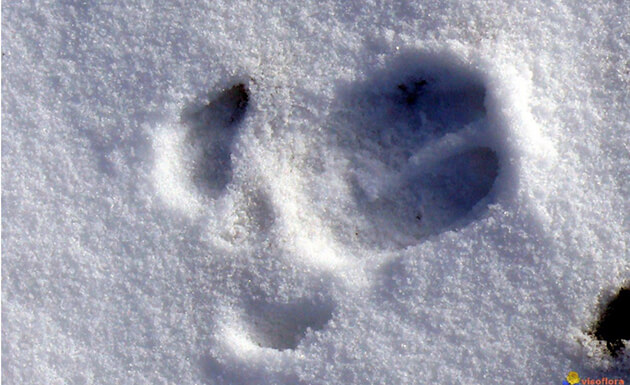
{"points": [[282, 326], [265, 321], [195, 163], [420, 163], [416, 136], [212, 128]]}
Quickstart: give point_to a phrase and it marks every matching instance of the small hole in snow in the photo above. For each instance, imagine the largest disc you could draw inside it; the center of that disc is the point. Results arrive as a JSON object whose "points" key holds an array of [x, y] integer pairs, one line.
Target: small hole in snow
{"points": [[614, 323]]}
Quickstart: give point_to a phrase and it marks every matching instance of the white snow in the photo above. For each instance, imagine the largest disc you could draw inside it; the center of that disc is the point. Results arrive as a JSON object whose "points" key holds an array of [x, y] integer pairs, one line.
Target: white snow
{"points": [[337, 223]]}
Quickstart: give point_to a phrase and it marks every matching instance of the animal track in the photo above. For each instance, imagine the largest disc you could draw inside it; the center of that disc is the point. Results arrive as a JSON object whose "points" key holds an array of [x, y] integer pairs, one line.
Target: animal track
{"points": [[282, 326], [212, 130], [414, 172], [414, 137]]}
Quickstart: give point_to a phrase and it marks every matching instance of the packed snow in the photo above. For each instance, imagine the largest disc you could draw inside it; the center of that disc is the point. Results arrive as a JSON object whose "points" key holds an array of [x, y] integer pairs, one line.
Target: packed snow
{"points": [[316, 192]]}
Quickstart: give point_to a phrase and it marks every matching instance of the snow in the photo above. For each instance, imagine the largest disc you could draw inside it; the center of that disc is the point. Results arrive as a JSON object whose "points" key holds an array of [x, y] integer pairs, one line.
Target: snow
{"points": [[322, 192]]}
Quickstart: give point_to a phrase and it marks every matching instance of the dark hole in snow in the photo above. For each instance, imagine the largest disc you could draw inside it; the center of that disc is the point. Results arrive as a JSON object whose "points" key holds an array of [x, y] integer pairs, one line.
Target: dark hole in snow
{"points": [[234, 101], [614, 323]]}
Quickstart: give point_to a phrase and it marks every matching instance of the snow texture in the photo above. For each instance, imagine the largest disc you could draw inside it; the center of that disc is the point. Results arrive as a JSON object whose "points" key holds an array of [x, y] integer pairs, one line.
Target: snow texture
{"points": [[313, 192]]}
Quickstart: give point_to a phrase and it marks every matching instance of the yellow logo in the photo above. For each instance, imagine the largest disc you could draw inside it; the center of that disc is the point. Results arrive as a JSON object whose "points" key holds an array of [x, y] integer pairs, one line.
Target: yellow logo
{"points": [[573, 378]]}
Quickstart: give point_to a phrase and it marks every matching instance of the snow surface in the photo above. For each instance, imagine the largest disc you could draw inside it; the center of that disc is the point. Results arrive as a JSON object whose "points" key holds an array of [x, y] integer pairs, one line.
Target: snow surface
{"points": [[399, 192]]}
